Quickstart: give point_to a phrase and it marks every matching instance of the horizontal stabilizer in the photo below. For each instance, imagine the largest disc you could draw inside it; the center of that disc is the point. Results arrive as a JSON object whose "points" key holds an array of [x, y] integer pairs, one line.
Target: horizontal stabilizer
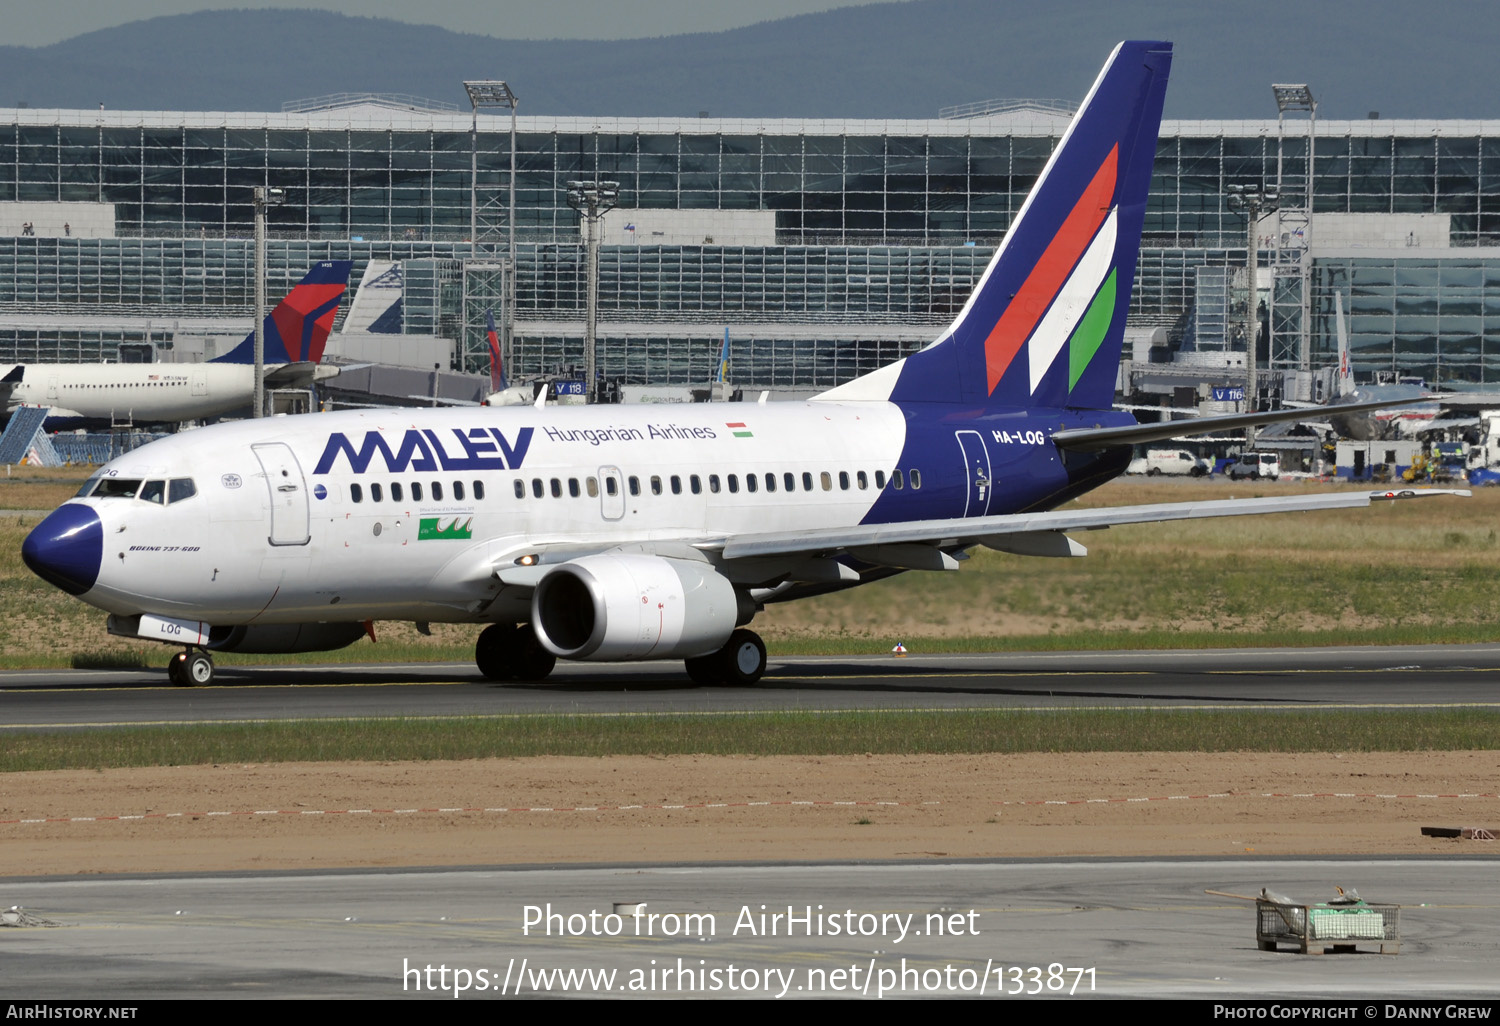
{"points": [[1097, 439]]}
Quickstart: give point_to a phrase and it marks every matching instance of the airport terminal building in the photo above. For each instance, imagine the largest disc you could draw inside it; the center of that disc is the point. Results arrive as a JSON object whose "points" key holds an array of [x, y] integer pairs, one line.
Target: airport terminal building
{"points": [[824, 248]]}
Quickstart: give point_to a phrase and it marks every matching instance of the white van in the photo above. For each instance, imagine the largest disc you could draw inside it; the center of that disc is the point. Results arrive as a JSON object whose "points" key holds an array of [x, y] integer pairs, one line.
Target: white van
{"points": [[1256, 465], [1170, 461]]}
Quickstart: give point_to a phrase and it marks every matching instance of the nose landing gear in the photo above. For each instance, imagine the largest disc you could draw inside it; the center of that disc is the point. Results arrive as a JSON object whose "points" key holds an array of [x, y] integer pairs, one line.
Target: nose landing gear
{"points": [[190, 669]]}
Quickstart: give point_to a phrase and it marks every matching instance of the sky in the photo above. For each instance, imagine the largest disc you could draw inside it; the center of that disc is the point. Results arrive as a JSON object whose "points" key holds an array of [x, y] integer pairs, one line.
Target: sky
{"points": [[31, 24]]}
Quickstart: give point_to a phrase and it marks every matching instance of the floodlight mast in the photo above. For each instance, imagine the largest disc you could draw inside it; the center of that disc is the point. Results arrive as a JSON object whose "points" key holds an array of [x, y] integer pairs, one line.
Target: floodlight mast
{"points": [[592, 200], [1254, 201], [495, 93], [263, 197]]}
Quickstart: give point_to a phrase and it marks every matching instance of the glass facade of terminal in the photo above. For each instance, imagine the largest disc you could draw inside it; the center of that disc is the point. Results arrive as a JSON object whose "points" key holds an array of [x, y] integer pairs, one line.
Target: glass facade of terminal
{"points": [[881, 224]]}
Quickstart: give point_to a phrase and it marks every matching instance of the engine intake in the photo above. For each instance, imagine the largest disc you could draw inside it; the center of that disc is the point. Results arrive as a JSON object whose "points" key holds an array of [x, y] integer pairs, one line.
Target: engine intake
{"points": [[624, 606]]}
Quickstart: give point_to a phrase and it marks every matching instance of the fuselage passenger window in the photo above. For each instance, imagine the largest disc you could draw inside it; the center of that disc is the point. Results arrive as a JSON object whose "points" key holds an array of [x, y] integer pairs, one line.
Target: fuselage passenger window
{"points": [[478, 491], [416, 491], [557, 488], [827, 480], [844, 480], [916, 478], [537, 488], [751, 482], [458, 491], [879, 479], [695, 484], [770, 482], [356, 493], [807, 480], [861, 480], [635, 485], [520, 488], [676, 484], [395, 491], [573, 487], [713, 483], [591, 485], [437, 491], [375, 494], [655, 485], [898, 480]]}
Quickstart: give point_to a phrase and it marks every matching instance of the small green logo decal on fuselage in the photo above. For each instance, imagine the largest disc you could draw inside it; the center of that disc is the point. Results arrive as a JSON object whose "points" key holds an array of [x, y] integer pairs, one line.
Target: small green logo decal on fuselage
{"points": [[456, 527]]}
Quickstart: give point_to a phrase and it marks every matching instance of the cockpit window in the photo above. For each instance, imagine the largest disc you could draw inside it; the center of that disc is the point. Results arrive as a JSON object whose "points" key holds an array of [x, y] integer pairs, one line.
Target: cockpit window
{"points": [[117, 488], [154, 491], [88, 486], [180, 488]]}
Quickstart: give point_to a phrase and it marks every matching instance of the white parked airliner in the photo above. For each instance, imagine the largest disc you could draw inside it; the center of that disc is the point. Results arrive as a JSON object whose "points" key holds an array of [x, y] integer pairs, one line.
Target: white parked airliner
{"points": [[102, 395], [644, 532]]}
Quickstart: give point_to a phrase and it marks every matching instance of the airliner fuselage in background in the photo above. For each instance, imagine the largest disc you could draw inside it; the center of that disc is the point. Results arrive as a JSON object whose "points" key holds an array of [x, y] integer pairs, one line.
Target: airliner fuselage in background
{"points": [[643, 532], [101, 395]]}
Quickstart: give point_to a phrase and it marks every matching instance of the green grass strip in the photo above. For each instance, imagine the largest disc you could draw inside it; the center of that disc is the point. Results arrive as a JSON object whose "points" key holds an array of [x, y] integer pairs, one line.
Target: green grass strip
{"points": [[896, 732]]}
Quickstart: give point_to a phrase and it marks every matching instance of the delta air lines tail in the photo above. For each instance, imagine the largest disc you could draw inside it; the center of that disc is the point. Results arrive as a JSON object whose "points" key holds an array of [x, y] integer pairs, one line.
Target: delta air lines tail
{"points": [[297, 330], [497, 364], [649, 532]]}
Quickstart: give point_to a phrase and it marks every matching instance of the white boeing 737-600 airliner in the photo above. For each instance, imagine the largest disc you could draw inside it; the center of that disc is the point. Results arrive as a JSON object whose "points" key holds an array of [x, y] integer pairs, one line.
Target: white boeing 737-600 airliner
{"points": [[641, 532]]}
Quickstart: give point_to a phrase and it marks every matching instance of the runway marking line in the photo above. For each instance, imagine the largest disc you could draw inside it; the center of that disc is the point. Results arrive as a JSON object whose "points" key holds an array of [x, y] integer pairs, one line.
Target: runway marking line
{"points": [[788, 803]]}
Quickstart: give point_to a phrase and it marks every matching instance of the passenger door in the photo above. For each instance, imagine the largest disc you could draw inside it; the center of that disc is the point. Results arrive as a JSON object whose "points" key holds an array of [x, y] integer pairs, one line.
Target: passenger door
{"points": [[288, 490]]}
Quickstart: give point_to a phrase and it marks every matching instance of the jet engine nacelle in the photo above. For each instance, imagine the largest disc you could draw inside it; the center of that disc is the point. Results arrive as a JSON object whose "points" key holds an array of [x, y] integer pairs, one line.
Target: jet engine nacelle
{"points": [[628, 606], [284, 637]]}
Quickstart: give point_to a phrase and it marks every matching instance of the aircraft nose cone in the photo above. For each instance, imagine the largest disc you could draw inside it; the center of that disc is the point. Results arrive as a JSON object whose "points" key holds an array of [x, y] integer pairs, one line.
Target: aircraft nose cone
{"points": [[66, 548]]}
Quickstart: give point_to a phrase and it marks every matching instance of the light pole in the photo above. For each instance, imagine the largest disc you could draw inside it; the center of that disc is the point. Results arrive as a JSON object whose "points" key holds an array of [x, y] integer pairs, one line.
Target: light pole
{"points": [[1255, 202], [592, 200], [264, 197]]}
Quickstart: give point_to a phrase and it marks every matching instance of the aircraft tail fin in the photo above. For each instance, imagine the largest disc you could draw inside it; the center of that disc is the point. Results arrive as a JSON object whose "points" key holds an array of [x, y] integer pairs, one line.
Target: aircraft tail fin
{"points": [[1345, 383], [298, 328], [497, 367], [1045, 325]]}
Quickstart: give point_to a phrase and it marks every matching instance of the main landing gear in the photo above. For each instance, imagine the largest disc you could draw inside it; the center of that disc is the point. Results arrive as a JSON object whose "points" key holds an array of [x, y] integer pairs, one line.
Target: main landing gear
{"points": [[742, 660], [509, 652], [191, 669]]}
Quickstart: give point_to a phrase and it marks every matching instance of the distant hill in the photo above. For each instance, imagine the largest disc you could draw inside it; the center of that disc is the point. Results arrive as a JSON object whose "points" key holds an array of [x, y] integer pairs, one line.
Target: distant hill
{"points": [[883, 60]]}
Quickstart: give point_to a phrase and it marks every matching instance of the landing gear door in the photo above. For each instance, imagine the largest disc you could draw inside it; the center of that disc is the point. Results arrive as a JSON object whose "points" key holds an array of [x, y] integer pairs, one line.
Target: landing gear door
{"points": [[289, 507], [611, 493], [977, 473]]}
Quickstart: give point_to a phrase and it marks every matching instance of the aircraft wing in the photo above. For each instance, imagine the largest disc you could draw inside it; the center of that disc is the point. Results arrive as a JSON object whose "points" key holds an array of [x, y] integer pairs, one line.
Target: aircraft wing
{"points": [[1095, 439], [921, 544], [1024, 533]]}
